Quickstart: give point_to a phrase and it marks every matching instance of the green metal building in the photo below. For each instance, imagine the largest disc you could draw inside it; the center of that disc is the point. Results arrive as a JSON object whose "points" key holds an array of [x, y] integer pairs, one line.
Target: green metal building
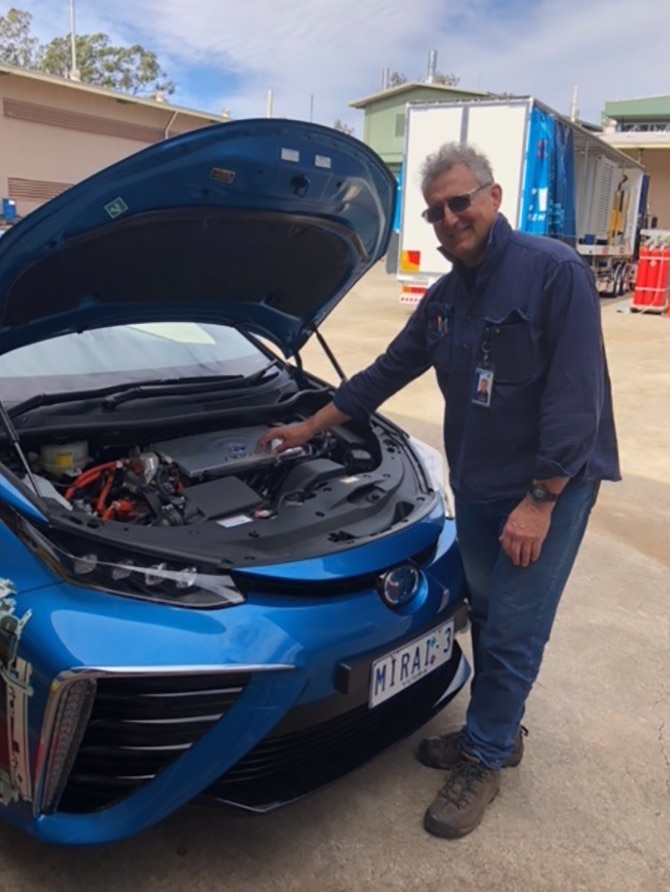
{"points": [[384, 115]]}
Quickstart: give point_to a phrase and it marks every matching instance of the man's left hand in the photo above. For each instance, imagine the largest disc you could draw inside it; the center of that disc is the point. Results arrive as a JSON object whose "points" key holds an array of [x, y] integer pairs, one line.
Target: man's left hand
{"points": [[525, 531]]}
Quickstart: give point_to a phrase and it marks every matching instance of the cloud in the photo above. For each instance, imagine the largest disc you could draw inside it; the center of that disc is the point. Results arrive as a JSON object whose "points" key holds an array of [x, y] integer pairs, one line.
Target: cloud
{"points": [[605, 47], [298, 48], [228, 53]]}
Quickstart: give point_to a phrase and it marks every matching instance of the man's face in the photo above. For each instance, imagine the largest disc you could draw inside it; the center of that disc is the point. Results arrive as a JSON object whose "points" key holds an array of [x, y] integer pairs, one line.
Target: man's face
{"points": [[463, 236]]}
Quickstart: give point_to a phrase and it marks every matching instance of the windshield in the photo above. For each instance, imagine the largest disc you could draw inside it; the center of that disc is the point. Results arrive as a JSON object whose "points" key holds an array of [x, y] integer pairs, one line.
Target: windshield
{"points": [[126, 353]]}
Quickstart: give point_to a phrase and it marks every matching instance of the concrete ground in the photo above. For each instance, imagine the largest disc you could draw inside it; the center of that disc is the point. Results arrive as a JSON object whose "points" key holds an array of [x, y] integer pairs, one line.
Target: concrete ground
{"points": [[588, 809]]}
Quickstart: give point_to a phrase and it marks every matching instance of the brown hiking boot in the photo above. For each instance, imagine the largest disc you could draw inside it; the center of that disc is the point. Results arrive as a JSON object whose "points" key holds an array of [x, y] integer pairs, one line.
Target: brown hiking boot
{"points": [[459, 807], [444, 751]]}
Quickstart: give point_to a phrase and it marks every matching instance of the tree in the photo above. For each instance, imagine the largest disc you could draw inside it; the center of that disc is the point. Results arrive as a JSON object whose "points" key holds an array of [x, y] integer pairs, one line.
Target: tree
{"points": [[126, 69], [17, 46], [396, 79], [131, 69], [450, 80], [343, 128]]}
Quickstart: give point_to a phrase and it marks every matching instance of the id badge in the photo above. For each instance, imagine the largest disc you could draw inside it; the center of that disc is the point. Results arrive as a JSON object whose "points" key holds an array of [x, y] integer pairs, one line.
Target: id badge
{"points": [[483, 389]]}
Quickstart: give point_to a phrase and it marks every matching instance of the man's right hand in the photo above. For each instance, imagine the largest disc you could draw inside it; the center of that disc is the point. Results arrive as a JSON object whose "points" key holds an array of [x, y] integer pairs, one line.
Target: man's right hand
{"points": [[286, 436]]}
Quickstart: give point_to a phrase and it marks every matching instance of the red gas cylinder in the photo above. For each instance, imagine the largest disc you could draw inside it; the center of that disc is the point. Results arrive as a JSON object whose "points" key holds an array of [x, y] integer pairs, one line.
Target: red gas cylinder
{"points": [[653, 280], [641, 296], [663, 279]]}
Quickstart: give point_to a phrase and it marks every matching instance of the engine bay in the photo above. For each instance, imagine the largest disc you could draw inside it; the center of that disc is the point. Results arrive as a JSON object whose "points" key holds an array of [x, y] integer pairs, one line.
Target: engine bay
{"points": [[187, 480], [173, 482], [216, 493]]}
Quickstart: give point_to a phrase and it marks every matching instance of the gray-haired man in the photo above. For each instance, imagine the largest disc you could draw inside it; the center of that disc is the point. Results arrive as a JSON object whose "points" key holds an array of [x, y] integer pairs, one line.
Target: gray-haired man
{"points": [[514, 335]]}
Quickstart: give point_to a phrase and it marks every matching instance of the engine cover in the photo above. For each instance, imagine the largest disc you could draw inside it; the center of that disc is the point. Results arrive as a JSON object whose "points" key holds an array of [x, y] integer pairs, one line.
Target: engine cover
{"points": [[216, 453]]}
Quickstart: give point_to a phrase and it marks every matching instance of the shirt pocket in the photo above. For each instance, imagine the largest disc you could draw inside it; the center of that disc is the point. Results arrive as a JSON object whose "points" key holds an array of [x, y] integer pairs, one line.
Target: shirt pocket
{"points": [[511, 343]]}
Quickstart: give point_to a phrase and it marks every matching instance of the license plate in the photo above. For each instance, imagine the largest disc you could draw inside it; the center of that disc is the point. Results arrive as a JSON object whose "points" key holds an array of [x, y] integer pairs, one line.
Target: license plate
{"points": [[403, 667]]}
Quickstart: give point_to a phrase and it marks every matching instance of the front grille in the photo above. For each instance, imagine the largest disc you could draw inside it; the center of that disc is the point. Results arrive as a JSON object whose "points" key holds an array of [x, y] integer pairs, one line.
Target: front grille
{"points": [[313, 746], [139, 726]]}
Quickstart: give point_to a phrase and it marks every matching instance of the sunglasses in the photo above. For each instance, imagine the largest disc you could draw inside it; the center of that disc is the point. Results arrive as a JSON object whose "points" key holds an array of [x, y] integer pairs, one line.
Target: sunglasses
{"points": [[457, 204]]}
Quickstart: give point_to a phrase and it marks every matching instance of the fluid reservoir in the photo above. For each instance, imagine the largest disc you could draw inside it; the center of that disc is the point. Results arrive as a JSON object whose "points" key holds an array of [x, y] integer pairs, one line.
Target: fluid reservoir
{"points": [[64, 458]]}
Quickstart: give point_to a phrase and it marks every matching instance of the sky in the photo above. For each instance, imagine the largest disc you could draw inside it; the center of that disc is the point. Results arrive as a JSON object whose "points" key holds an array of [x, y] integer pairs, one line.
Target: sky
{"points": [[319, 55]]}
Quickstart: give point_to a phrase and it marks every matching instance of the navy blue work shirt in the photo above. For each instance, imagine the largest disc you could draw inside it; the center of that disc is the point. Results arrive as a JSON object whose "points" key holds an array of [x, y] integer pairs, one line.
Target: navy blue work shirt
{"points": [[530, 314]]}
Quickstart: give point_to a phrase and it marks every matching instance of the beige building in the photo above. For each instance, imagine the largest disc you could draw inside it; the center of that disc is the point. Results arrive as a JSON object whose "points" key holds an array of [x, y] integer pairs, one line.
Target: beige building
{"points": [[55, 132], [641, 129]]}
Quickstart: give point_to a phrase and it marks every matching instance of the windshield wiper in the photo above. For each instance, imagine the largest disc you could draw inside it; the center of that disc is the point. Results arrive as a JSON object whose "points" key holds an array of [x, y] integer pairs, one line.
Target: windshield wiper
{"points": [[39, 400], [185, 386], [169, 388], [116, 394]]}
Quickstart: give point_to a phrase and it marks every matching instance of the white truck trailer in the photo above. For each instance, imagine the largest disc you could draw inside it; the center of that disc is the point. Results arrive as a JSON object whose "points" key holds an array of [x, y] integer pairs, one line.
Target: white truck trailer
{"points": [[558, 179]]}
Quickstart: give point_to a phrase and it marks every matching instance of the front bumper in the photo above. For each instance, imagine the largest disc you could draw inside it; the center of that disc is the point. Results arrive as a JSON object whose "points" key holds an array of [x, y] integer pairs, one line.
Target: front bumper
{"points": [[315, 745], [253, 706]]}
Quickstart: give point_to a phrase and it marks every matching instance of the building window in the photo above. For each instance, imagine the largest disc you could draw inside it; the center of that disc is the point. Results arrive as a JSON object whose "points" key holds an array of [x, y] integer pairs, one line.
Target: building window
{"points": [[400, 124]]}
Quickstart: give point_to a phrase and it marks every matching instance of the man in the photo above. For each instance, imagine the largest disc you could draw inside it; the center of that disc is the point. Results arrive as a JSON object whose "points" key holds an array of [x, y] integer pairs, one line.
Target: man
{"points": [[525, 457]]}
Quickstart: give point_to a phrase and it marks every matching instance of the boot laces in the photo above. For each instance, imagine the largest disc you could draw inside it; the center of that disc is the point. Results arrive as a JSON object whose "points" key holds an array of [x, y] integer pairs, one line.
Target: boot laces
{"points": [[462, 781]]}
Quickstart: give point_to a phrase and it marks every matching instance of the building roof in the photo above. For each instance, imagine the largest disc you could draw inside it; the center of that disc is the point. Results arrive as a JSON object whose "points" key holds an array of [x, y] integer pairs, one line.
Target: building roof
{"points": [[647, 107], [589, 125], [636, 139], [413, 85], [126, 98]]}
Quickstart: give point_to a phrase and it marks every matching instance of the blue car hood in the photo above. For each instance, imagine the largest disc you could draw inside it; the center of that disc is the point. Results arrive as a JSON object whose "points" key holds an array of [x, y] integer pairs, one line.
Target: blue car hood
{"points": [[263, 224]]}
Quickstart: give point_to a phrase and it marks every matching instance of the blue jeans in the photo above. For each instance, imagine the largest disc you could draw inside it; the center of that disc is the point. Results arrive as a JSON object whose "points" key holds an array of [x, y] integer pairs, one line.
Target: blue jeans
{"points": [[512, 610]]}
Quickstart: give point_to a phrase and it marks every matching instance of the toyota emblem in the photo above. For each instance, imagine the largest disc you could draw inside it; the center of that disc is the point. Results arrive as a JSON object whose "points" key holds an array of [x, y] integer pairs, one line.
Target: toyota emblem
{"points": [[399, 585]]}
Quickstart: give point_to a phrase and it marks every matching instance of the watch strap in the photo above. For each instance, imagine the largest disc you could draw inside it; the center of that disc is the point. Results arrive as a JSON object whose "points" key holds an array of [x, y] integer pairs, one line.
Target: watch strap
{"points": [[539, 493]]}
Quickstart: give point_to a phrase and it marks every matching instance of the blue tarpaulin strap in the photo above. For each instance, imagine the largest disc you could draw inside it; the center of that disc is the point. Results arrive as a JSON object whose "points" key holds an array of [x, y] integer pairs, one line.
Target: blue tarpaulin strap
{"points": [[535, 216], [398, 202], [549, 199]]}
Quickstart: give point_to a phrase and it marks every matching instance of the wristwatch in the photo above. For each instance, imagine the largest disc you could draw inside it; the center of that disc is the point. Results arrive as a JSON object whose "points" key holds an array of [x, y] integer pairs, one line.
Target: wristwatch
{"points": [[539, 493]]}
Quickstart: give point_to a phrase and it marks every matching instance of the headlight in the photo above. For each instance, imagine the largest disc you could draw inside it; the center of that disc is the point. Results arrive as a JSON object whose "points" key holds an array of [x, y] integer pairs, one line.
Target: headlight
{"points": [[85, 562], [436, 468], [433, 462]]}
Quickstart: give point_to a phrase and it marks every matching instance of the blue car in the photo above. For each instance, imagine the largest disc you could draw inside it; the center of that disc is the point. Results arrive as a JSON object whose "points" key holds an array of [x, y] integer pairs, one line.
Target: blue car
{"points": [[185, 616]]}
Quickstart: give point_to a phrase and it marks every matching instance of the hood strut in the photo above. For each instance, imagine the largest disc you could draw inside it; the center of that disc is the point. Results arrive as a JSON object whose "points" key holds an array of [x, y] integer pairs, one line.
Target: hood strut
{"points": [[329, 353], [16, 443]]}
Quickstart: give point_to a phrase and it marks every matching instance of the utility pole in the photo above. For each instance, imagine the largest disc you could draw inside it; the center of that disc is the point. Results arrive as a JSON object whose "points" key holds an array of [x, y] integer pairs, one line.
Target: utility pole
{"points": [[75, 74], [574, 105]]}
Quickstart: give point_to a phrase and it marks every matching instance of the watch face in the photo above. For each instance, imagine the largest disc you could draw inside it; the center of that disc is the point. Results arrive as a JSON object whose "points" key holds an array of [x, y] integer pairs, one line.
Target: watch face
{"points": [[541, 494]]}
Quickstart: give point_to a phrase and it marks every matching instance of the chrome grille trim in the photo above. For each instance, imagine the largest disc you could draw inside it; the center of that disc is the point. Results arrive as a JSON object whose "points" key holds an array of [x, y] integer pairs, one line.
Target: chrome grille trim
{"points": [[141, 721]]}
